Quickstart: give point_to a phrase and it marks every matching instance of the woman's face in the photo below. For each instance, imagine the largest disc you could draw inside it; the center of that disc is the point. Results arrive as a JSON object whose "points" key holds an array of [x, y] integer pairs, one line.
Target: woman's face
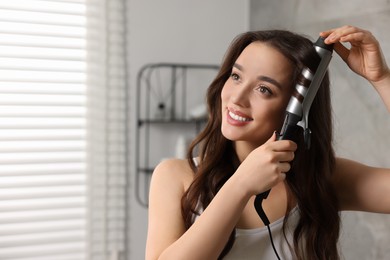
{"points": [[255, 96]]}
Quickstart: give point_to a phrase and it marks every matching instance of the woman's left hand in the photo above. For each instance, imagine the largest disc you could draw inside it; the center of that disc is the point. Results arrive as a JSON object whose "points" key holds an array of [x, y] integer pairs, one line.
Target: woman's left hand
{"points": [[364, 57]]}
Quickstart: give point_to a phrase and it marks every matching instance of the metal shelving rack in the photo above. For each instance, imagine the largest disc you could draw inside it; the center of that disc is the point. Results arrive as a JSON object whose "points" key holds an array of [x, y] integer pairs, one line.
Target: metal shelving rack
{"points": [[164, 95]]}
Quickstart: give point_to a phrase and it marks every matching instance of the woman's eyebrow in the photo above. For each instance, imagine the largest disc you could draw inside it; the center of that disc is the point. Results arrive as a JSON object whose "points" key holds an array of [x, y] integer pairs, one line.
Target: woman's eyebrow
{"points": [[261, 77], [270, 80], [238, 66]]}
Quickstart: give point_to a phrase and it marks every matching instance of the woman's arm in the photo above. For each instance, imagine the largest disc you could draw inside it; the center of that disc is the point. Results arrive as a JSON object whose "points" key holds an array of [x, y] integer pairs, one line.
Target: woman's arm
{"points": [[206, 238], [361, 187], [167, 237]]}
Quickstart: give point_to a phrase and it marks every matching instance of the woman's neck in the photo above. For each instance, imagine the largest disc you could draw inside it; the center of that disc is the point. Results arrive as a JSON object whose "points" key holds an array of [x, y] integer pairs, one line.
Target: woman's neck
{"points": [[243, 149]]}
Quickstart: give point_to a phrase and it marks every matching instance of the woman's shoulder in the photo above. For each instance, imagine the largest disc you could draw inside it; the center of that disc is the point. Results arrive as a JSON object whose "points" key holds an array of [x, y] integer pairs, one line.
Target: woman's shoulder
{"points": [[173, 173]]}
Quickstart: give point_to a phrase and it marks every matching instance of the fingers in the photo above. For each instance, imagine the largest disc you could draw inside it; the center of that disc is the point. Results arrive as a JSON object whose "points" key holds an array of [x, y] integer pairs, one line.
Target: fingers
{"points": [[334, 35], [362, 41], [284, 160], [283, 145], [346, 34], [283, 153], [285, 156], [267, 165], [353, 37], [284, 167], [278, 154], [272, 138]]}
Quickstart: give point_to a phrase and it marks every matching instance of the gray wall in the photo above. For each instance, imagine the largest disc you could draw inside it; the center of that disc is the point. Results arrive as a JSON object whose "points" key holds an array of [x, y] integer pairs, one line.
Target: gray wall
{"points": [[174, 31], [362, 124]]}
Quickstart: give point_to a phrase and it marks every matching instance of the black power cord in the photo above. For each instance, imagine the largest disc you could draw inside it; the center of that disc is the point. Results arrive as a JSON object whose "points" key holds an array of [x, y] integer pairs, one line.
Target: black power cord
{"points": [[272, 242], [259, 209]]}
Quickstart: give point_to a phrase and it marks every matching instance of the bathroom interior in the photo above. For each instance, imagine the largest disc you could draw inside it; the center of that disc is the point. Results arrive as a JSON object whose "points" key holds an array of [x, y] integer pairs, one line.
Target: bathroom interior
{"points": [[169, 52]]}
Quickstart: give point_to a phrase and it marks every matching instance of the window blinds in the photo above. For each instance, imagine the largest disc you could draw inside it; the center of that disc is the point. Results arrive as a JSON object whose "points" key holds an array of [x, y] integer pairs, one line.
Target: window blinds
{"points": [[107, 96], [62, 129]]}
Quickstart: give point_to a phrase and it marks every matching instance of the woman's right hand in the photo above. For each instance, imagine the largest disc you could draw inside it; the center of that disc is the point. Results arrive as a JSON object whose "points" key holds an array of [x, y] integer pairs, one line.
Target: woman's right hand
{"points": [[266, 166]]}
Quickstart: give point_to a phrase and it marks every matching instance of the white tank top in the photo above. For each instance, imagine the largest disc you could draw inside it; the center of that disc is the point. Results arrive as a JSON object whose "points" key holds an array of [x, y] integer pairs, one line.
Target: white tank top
{"points": [[256, 244]]}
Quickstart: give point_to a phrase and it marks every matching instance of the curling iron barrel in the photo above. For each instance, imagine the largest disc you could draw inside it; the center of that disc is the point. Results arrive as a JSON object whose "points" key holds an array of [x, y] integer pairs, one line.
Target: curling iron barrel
{"points": [[308, 83]]}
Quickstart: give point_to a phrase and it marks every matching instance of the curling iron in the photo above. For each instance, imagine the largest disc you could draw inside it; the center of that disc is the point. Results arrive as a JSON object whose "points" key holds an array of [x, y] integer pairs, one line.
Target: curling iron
{"points": [[298, 108]]}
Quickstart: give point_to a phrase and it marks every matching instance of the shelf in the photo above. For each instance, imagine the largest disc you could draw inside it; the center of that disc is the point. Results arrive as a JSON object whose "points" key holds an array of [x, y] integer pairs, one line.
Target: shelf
{"points": [[168, 95], [146, 170]]}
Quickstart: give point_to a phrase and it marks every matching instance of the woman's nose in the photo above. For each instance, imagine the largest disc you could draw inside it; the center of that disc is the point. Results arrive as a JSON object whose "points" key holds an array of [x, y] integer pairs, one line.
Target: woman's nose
{"points": [[240, 95]]}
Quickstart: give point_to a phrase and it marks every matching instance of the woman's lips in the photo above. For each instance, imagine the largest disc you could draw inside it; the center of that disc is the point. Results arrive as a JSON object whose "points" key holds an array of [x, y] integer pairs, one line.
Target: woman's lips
{"points": [[236, 118]]}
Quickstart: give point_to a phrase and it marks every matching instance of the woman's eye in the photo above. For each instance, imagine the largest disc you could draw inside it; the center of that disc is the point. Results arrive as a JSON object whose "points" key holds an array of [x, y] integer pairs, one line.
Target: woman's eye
{"points": [[235, 76], [265, 90]]}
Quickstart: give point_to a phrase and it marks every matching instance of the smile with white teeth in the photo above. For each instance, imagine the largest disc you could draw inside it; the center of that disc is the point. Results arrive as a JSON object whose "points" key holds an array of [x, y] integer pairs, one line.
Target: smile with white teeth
{"points": [[238, 118]]}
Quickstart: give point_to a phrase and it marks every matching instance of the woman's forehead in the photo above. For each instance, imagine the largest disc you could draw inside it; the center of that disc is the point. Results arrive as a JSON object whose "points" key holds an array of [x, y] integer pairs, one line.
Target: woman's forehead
{"points": [[259, 57]]}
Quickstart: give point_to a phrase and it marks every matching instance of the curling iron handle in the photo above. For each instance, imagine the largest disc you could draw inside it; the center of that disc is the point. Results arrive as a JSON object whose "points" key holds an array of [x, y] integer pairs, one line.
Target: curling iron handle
{"points": [[289, 131]]}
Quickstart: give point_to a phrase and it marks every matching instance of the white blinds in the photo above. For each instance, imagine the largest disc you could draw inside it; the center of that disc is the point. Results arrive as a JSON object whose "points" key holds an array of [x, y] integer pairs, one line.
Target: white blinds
{"points": [[107, 98], [62, 128]]}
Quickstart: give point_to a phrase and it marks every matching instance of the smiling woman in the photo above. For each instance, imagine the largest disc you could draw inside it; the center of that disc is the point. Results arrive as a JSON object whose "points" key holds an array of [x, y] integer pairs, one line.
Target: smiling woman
{"points": [[203, 207], [52, 55]]}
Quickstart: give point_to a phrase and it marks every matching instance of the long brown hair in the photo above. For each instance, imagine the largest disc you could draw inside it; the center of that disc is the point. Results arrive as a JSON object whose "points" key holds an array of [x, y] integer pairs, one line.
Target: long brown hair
{"points": [[309, 181]]}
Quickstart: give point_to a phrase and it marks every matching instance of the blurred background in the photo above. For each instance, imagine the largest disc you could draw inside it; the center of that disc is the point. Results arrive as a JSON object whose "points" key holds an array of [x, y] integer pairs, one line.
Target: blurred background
{"points": [[94, 93]]}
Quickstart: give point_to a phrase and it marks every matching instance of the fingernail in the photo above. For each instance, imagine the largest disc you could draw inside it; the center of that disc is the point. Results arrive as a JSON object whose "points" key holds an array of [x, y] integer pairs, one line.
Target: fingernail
{"points": [[327, 40], [332, 37]]}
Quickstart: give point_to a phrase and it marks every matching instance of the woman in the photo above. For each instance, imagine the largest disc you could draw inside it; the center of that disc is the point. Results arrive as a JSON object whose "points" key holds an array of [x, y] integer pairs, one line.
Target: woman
{"points": [[202, 208]]}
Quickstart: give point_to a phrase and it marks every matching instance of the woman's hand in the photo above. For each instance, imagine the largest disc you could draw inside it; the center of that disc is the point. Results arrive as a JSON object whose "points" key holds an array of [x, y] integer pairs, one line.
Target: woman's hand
{"points": [[266, 166], [364, 57]]}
